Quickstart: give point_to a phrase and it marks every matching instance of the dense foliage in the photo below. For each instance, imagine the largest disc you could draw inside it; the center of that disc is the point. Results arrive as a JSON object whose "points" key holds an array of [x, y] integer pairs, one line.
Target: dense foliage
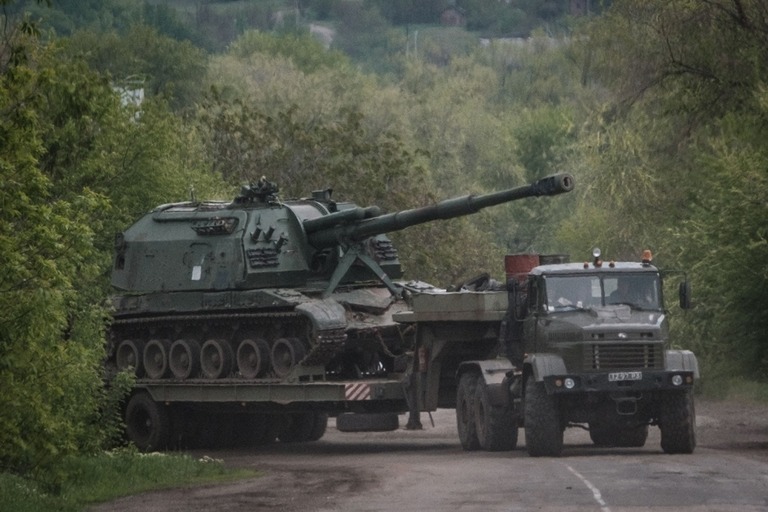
{"points": [[658, 107]]}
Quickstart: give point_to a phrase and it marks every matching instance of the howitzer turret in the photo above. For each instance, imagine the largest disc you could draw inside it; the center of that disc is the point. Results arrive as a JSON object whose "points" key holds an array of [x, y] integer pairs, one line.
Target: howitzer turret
{"points": [[259, 288]]}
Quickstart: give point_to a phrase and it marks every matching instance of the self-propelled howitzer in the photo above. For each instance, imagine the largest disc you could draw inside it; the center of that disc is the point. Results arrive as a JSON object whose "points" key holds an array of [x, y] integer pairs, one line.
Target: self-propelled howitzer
{"points": [[264, 289]]}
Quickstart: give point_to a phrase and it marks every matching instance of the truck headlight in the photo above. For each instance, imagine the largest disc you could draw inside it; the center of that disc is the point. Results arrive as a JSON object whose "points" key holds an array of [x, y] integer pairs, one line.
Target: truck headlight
{"points": [[677, 380], [569, 383]]}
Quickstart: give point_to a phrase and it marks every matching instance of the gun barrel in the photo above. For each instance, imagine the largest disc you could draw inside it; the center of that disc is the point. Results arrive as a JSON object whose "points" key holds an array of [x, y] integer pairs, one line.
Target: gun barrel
{"points": [[360, 229], [344, 216]]}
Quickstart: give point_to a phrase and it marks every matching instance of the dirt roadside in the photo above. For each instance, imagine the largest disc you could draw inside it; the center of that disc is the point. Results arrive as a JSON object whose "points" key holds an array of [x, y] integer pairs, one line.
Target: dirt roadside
{"points": [[735, 426]]}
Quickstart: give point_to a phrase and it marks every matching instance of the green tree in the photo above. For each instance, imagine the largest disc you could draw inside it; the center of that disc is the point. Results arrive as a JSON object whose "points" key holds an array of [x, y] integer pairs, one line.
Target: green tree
{"points": [[675, 154], [50, 340], [305, 52], [77, 166], [143, 58]]}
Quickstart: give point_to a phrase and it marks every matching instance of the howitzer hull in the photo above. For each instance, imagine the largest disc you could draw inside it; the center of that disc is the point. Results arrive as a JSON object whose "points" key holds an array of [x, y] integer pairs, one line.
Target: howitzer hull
{"points": [[269, 291]]}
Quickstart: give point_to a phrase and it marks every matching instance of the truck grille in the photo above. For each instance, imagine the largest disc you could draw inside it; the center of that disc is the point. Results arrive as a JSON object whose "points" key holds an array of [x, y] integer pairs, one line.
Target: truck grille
{"points": [[623, 356]]}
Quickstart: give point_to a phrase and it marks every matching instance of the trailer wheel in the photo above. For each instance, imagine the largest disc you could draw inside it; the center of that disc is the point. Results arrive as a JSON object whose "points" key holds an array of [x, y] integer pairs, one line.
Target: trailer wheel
{"points": [[303, 427], [147, 423], [320, 426], [367, 422], [677, 422], [465, 412], [543, 426], [496, 426]]}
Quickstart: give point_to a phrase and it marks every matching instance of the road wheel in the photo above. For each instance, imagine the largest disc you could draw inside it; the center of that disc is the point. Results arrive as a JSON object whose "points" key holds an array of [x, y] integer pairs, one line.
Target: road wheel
{"points": [[677, 422], [147, 423], [496, 426], [185, 358], [253, 358], [543, 425], [216, 359], [156, 361], [130, 355], [286, 354], [465, 412]]}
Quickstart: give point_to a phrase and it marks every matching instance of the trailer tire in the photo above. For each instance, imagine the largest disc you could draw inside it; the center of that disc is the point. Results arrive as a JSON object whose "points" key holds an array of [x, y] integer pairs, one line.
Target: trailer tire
{"points": [[319, 427], [496, 427], [677, 422], [367, 422], [465, 412], [147, 423], [543, 425], [298, 427]]}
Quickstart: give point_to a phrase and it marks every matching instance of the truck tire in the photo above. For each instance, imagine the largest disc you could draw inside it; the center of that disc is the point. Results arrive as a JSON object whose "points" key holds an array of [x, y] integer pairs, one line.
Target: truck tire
{"points": [[677, 422], [147, 423], [609, 436], [465, 412], [367, 422], [543, 425], [496, 426]]}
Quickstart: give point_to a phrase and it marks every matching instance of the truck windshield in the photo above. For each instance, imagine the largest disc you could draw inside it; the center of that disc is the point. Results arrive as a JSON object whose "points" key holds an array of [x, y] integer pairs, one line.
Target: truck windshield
{"points": [[639, 291]]}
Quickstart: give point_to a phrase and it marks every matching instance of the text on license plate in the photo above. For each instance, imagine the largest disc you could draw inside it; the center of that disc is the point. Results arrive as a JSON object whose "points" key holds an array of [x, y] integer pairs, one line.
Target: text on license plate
{"points": [[619, 376]]}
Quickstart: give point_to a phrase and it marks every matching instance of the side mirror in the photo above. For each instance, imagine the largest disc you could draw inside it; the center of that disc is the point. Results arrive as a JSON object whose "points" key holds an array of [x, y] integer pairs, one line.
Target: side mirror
{"points": [[685, 295]]}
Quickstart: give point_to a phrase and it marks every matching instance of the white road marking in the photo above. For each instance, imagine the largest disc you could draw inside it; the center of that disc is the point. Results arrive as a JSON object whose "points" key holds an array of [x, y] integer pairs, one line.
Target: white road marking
{"points": [[595, 491]]}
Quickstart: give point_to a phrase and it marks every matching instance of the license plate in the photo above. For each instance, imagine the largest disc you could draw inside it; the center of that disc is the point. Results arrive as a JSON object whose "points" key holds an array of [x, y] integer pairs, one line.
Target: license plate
{"points": [[619, 376]]}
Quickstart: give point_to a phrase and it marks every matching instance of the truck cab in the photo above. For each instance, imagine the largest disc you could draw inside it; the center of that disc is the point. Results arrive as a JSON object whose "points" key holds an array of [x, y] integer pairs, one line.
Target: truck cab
{"points": [[590, 342]]}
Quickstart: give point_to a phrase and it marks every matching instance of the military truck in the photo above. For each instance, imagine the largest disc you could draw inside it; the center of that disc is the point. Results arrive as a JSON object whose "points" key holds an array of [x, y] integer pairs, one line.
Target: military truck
{"points": [[579, 345], [255, 319]]}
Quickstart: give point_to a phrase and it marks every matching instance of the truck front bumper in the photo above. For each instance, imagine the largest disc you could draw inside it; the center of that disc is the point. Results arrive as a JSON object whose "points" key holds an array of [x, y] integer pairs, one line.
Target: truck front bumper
{"points": [[619, 381]]}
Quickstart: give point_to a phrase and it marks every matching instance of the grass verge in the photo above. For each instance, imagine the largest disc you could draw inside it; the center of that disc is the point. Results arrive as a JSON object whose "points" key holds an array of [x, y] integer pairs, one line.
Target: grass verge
{"points": [[734, 388], [86, 480]]}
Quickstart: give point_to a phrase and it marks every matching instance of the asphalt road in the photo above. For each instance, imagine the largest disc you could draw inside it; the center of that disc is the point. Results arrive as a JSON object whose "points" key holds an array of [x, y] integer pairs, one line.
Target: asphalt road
{"points": [[428, 471]]}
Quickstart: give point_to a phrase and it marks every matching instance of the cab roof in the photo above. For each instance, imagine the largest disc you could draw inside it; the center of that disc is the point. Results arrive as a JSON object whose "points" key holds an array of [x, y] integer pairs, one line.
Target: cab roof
{"points": [[589, 268]]}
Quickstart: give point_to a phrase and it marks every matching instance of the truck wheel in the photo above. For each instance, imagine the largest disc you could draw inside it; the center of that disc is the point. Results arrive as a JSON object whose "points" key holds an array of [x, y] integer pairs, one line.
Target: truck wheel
{"points": [[543, 426], [367, 422], [147, 423], [601, 435], [465, 412], [496, 426], [632, 437], [677, 422]]}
